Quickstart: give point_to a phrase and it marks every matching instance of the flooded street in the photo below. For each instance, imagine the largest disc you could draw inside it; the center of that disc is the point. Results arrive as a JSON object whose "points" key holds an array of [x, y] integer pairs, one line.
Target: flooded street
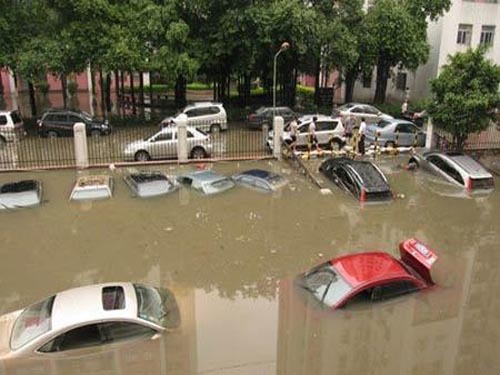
{"points": [[230, 260]]}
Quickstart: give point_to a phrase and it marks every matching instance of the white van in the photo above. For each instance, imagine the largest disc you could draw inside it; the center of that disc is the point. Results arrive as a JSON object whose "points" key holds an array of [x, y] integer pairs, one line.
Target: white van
{"points": [[11, 126]]}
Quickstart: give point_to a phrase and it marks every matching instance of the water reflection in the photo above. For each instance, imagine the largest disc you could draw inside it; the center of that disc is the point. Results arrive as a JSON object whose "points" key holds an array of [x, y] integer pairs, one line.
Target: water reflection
{"points": [[225, 257]]}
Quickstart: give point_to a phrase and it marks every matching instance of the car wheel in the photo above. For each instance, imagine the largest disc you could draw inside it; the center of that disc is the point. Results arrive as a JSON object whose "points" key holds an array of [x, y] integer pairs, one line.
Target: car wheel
{"points": [[215, 128], [335, 144], [198, 153], [142, 156], [52, 134], [95, 133], [390, 144]]}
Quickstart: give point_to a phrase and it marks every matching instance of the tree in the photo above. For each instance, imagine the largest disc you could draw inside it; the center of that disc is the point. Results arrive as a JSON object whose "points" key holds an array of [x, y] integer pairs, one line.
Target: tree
{"points": [[399, 29], [465, 95]]}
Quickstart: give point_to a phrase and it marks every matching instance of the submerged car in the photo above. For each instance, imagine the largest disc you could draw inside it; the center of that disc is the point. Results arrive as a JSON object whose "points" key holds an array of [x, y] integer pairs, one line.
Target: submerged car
{"points": [[163, 145], [261, 180], [25, 193], [360, 111], [207, 182], [456, 168], [150, 184], [361, 179], [264, 116], [394, 133], [92, 187], [371, 276], [88, 316]]}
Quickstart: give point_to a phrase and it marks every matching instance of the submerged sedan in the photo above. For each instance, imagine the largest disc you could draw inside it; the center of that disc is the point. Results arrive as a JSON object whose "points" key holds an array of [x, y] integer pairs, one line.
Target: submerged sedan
{"points": [[207, 182], [371, 276], [456, 168], [361, 179], [260, 179], [25, 193], [394, 133], [88, 316]]}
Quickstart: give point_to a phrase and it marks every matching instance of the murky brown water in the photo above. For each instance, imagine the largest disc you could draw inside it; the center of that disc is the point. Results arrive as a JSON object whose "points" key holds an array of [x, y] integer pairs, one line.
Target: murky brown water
{"points": [[230, 260]]}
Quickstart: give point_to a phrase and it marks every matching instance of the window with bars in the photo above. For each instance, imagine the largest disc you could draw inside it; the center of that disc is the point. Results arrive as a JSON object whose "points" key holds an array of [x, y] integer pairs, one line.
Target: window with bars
{"points": [[401, 81], [487, 35], [464, 34]]}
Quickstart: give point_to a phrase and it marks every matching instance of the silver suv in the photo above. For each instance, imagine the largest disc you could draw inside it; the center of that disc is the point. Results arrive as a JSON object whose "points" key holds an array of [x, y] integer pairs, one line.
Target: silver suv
{"points": [[207, 116], [11, 126]]}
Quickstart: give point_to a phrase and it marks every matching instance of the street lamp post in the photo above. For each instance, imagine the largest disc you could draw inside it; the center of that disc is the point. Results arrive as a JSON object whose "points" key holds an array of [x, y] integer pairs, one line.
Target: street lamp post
{"points": [[284, 47]]}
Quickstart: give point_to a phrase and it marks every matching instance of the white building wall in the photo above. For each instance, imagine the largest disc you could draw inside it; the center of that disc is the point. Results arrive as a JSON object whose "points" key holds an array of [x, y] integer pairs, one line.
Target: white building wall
{"points": [[442, 38]]}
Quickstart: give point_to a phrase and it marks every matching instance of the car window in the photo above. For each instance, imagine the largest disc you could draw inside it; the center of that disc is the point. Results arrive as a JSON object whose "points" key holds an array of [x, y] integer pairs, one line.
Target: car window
{"points": [[3, 120], [33, 322], [163, 137], [357, 109], [121, 331], [156, 305], [78, 338], [405, 128], [192, 113], [345, 178], [16, 118], [214, 110], [383, 123], [56, 117], [73, 119], [371, 110], [304, 128], [393, 289], [446, 168], [325, 125], [327, 285], [189, 134]]}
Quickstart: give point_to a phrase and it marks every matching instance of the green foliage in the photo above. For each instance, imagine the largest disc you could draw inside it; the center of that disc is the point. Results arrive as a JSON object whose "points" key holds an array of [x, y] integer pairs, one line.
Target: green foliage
{"points": [[465, 95], [72, 87]]}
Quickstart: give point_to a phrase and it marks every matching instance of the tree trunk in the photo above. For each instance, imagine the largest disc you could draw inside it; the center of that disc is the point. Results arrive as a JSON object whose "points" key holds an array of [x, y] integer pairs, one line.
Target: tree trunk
{"points": [[102, 89], [32, 99], [350, 80], [117, 86], [383, 69], [132, 92], [108, 92], [180, 91], [214, 90], [1, 87], [316, 82], [151, 88], [141, 89], [122, 87], [64, 88]]}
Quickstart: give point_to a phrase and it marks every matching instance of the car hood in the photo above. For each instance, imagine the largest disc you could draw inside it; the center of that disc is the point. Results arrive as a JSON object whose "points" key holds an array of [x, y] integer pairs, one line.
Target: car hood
{"points": [[6, 323], [384, 116]]}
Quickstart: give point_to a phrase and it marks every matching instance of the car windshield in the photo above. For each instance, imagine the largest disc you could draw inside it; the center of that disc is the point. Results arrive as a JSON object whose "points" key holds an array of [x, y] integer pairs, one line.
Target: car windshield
{"points": [[150, 136], [157, 306], [327, 285], [219, 185], [33, 322], [383, 123], [260, 110], [345, 106]]}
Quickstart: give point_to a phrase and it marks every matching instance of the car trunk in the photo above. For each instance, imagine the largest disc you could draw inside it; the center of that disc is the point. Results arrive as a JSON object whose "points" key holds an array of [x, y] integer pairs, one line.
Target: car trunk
{"points": [[419, 257]]}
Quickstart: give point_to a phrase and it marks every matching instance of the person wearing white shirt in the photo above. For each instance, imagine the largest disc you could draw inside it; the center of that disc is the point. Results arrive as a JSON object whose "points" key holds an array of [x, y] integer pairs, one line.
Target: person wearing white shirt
{"points": [[361, 142]]}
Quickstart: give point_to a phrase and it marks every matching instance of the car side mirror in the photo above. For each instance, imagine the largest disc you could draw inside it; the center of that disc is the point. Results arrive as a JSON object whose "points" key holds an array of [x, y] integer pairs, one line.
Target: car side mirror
{"points": [[376, 294]]}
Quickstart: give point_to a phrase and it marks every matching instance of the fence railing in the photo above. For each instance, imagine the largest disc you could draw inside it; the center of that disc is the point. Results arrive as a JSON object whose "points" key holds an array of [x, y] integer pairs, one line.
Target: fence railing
{"points": [[31, 151], [486, 140]]}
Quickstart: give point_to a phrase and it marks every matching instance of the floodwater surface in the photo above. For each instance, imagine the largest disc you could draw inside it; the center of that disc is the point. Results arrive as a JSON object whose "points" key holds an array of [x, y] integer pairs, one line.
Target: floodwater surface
{"points": [[230, 260]]}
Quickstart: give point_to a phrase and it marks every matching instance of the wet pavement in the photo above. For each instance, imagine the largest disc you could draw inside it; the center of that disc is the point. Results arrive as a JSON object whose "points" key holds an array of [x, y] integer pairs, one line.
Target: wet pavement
{"points": [[230, 260]]}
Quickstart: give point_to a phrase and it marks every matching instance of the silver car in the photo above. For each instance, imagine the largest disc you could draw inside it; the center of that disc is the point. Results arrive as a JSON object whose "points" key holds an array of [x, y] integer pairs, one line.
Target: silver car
{"points": [[207, 182], [207, 116], [11, 126], [394, 133], [359, 111], [261, 180], [89, 316], [25, 193], [163, 145], [456, 168]]}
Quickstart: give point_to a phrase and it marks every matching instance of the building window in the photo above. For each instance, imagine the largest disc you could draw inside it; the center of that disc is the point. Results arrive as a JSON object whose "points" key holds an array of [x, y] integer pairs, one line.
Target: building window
{"points": [[366, 79], [464, 34], [401, 81], [487, 35]]}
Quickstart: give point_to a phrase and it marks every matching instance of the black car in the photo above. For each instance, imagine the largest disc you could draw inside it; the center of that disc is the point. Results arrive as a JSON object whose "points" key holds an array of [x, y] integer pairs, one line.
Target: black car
{"points": [[59, 123], [362, 179], [264, 116]]}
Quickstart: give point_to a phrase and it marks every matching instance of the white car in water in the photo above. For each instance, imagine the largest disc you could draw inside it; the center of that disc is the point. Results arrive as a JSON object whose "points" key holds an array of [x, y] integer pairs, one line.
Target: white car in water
{"points": [[89, 316]]}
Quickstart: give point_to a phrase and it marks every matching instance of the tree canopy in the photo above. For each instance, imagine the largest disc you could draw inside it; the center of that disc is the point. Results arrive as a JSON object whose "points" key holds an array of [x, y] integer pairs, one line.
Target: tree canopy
{"points": [[466, 95]]}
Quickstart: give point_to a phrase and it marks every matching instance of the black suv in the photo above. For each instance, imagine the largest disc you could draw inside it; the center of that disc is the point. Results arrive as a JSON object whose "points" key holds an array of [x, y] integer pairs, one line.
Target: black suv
{"points": [[60, 122]]}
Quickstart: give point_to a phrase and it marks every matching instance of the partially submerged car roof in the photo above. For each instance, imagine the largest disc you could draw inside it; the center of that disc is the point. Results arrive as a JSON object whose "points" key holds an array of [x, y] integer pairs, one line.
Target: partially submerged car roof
{"points": [[471, 166], [92, 187], [19, 194], [370, 175], [204, 176], [149, 184]]}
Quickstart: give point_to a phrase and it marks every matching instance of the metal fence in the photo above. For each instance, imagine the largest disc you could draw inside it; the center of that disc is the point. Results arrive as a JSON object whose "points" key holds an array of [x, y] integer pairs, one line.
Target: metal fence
{"points": [[35, 152], [486, 140]]}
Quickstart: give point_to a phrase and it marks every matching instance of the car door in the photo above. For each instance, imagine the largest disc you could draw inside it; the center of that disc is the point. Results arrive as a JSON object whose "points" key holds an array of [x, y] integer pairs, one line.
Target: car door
{"points": [[404, 133], [441, 167], [302, 135], [163, 144], [392, 289], [371, 114], [325, 130], [56, 122], [72, 120]]}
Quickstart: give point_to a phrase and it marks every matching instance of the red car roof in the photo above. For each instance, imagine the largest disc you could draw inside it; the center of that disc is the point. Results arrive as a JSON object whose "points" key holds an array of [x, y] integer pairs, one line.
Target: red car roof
{"points": [[362, 268]]}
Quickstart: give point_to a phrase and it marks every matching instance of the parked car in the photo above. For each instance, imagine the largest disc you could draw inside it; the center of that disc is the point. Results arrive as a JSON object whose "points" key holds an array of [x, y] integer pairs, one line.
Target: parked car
{"points": [[370, 113], [395, 133], [264, 116], [92, 187], [207, 182], [329, 131], [456, 168], [11, 127], [163, 145], [25, 193], [361, 179], [150, 184], [59, 123], [88, 316], [206, 116], [261, 180], [371, 276]]}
